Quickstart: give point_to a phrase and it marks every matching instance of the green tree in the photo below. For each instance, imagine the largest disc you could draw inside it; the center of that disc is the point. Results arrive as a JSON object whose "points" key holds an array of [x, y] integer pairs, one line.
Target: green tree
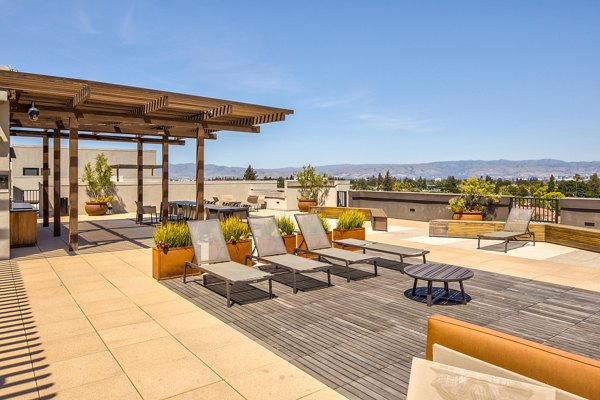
{"points": [[313, 186], [551, 184], [250, 174], [594, 185], [577, 179], [388, 182], [379, 181], [280, 182]]}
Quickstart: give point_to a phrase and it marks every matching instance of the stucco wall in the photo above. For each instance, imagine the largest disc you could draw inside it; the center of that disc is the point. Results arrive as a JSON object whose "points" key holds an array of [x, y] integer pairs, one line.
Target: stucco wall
{"points": [[30, 156], [580, 212], [417, 206]]}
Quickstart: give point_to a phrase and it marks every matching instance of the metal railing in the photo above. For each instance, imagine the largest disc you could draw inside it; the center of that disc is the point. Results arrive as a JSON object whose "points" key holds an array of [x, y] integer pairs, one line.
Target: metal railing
{"points": [[545, 210]]}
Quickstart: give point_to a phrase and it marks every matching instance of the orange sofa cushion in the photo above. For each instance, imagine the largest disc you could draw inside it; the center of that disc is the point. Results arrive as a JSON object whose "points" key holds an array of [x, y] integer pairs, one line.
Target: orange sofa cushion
{"points": [[572, 373]]}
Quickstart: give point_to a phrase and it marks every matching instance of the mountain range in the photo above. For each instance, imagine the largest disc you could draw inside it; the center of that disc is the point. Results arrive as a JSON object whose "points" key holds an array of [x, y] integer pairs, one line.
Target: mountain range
{"points": [[507, 169]]}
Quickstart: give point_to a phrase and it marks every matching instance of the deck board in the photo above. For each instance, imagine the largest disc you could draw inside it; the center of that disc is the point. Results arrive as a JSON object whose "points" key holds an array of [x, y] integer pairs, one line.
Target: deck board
{"points": [[359, 337]]}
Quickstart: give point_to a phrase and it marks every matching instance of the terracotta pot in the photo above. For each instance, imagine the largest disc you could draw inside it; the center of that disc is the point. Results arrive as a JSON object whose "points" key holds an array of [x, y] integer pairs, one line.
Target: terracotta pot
{"points": [[468, 216], [303, 246], [290, 243], [93, 208], [303, 205], [170, 265], [239, 250], [356, 233]]}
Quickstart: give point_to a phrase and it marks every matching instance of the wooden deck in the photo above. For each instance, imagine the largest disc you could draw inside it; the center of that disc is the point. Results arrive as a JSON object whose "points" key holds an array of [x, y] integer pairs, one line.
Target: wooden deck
{"points": [[359, 337]]}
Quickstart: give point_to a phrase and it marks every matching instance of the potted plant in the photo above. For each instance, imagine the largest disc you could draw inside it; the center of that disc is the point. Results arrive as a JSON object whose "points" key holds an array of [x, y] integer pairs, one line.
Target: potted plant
{"points": [[350, 225], [99, 186], [286, 228], [173, 247], [313, 188], [476, 194], [325, 224], [236, 235]]}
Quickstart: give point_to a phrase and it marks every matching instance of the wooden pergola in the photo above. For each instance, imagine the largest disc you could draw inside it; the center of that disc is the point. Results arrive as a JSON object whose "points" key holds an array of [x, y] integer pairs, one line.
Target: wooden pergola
{"points": [[77, 109]]}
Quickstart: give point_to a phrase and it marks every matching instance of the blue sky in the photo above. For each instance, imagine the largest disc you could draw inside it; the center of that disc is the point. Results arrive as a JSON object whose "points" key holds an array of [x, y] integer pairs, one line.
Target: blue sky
{"points": [[370, 82]]}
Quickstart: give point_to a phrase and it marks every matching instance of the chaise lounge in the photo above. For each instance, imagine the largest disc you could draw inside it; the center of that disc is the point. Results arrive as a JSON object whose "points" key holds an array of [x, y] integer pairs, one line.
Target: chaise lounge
{"points": [[212, 257], [316, 241], [517, 224], [270, 249]]}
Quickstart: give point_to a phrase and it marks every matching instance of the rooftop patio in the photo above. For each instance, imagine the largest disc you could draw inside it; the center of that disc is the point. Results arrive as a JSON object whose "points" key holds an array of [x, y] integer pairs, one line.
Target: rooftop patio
{"points": [[97, 325]]}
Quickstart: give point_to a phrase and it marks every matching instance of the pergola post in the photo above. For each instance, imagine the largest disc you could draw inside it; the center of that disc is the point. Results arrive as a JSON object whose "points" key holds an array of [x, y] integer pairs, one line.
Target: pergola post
{"points": [[73, 185], [56, 145], [164, 212], [44, 199], [140, 173], [200, 175]]}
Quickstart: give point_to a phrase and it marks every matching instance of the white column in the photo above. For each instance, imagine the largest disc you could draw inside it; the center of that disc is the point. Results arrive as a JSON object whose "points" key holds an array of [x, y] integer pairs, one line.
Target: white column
{"points": [[4, 176]]}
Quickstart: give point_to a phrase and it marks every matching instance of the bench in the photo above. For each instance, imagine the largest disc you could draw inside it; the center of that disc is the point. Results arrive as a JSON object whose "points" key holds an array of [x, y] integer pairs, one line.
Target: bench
{"points": [[377, 216]]}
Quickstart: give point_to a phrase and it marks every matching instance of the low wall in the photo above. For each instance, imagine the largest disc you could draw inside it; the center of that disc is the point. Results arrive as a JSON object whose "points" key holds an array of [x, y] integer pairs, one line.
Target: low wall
{"points": [[417, 206], [580, 212], [126, 192], [571, 236]]}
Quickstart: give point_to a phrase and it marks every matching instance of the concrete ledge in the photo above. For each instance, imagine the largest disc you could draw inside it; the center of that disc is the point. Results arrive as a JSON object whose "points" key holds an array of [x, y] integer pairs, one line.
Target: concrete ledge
{"points": [[571, 236]]}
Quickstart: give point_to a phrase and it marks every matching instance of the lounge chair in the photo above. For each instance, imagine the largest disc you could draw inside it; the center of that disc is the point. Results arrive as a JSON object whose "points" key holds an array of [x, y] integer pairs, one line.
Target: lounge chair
{"points": [[316, 241], [212, 257], [517, 224], [141, 210], [270, 249], [401, 251]]}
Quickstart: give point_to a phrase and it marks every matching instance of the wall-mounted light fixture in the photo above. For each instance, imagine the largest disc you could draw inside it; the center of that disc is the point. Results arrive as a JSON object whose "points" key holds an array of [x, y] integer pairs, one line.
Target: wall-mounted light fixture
{"points": [[33, 112]]}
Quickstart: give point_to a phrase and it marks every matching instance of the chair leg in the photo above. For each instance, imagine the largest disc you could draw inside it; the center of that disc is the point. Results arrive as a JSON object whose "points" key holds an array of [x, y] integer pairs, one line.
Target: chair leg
{"points": [[533, 234], [478, 243], [328, 278], [375, 266], [294, 282], [506, 245], [347, 271], [228, 289], [270, 288], [414, 291], [429, 290], [184, 273]]}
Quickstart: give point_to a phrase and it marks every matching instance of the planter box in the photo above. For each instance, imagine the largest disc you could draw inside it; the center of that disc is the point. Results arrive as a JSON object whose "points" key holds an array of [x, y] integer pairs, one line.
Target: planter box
{"points": [[303, 246], [170, 265], [468, 216], [356, 233], [290, 243], [239, 250]]}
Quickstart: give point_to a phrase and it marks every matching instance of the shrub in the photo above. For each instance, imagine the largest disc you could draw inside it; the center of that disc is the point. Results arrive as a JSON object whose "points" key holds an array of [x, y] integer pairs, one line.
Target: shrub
{"points": [[313, 186], [99, 185], [171, 235], [475, 195], [286, 225], [234, 229], [324, 222], [351, 219]]}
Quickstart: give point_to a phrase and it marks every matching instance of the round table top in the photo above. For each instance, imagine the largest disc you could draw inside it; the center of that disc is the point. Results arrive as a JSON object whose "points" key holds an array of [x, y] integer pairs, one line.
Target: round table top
{"points": [[438, 272]]}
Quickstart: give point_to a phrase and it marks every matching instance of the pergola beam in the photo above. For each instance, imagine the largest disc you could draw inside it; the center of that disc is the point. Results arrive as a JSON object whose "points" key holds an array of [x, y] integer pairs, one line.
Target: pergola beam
{"points": [[154, 105], [84, 136], [81, 96], [214, 113]]}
